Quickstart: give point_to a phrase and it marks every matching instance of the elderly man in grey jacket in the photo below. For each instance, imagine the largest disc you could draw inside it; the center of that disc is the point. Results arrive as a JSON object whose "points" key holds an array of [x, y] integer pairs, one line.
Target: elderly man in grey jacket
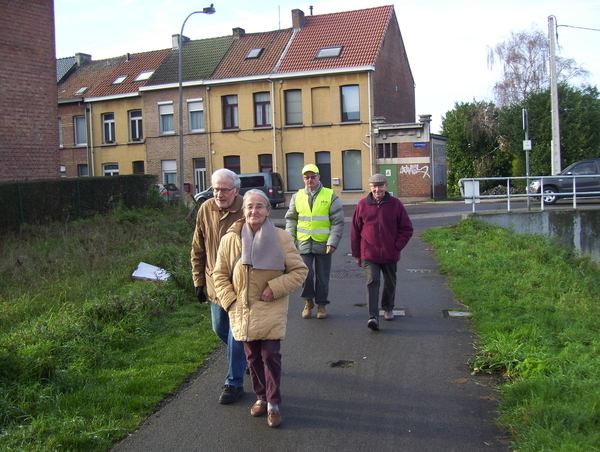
{"points": [[315, 219]]}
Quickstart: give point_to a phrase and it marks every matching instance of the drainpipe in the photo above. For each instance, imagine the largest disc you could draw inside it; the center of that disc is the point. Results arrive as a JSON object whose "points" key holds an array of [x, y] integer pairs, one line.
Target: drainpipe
{"points": [[208, 131], [273, 126], [371, 167], [91, 138]]}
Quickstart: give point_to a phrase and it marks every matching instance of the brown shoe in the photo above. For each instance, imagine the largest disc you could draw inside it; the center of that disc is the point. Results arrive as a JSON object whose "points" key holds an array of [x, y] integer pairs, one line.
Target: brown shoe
{"points": [[307, 309], [274, 418], [321, 312], [259, 408]]}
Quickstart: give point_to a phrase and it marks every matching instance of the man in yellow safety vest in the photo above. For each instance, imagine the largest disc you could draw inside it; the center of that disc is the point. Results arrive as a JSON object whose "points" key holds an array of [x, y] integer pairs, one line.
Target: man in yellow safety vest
{"points": [[315, 218]]}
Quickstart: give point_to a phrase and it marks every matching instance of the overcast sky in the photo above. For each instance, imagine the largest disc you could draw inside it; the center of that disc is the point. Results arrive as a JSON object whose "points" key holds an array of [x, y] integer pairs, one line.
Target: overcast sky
{"points": [[446, 41]]}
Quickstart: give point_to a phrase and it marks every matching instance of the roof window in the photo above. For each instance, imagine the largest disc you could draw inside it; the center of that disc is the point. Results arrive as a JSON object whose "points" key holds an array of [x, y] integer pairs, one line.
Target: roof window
{"points": [[120, 79], [145, 75], [329, 52], [254, 53], [81, 90]]}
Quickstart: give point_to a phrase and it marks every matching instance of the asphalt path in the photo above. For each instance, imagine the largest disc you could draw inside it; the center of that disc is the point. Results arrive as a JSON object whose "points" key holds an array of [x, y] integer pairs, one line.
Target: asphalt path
{"points": [[406, 387]]}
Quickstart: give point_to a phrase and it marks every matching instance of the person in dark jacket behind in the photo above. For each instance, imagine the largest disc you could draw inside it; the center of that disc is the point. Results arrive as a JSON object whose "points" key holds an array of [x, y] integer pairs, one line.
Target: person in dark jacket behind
{"points": [[381, 228]]}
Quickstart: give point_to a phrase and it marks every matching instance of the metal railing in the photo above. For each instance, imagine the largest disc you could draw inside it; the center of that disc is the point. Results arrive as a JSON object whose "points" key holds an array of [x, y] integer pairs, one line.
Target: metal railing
{"points": [[469, 189]]}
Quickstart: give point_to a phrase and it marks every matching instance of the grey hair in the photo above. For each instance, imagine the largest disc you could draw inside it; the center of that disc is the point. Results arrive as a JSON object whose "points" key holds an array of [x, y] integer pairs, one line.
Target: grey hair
{"points": [[225, 173], [254, 191]]}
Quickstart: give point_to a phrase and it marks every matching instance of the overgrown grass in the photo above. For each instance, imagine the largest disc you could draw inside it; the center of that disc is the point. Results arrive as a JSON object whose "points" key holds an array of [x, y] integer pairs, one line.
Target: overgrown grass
{"points": [[85, 352], [536, 312]]}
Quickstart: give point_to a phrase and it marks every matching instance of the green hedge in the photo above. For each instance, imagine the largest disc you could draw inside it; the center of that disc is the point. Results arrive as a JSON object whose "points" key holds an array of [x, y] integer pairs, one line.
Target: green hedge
{"points": [[48, 200]]}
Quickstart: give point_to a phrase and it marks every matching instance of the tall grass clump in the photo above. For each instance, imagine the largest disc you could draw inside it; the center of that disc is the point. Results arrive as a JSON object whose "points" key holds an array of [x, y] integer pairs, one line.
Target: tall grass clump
{"points": [[86, 352], [535, 310]]}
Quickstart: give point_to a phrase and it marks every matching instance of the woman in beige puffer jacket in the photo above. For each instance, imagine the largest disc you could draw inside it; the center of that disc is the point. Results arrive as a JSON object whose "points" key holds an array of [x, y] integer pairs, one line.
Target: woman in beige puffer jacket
{"points": [[256, 299]]}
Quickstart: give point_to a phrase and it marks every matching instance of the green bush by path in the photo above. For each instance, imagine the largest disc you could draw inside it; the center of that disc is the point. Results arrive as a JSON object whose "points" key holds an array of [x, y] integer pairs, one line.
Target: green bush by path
{"points": [[86, 352], [536, 311]]}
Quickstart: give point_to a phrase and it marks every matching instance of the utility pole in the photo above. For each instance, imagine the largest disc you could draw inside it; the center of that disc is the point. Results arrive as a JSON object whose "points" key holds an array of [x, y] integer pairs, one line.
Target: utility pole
{"points": [[556, 165], [527, 148]]}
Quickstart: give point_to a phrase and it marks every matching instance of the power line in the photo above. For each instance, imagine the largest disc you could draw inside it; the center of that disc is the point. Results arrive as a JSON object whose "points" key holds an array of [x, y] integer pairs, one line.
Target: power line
{"points": [[581, 28]]}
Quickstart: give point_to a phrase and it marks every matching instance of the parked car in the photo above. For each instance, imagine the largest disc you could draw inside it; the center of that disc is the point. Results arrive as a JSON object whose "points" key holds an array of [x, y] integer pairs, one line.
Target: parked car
{"points": [[553, 186], [169, 191], [270, 183]]}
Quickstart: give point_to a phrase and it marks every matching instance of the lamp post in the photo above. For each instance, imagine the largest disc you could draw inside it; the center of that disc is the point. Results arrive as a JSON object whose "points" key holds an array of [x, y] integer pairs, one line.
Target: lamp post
{"points": [[208, 10]]}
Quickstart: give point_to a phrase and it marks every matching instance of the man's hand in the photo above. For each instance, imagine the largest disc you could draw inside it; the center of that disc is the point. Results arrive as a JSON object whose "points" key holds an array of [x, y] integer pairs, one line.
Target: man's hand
{"points": [[200, 294]]}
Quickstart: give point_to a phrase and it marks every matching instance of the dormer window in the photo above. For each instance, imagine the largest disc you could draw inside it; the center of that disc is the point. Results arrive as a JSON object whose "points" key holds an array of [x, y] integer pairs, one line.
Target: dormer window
{"points": [[254, 53], [120, 79], [144, 76], [81, 90], [329, 52]]}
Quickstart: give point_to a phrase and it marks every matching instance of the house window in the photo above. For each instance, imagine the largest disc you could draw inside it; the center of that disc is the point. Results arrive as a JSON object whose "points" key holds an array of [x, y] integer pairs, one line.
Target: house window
{"points": [[262, 110], [196, 115], [293, 106], [81, 90], [350, 103], [352, 170], [167, 123], [83, 170], [232, 162], [329, 52], [110, 169], [80, 130], [120, 79], [60, 133], [254, 53], [387, 150], [169, 171], [108, 128], [63, 171], [138, 167], [294, 161], [323, 161], [230, 112], [265, 163], [135, 126], [145, 75]]}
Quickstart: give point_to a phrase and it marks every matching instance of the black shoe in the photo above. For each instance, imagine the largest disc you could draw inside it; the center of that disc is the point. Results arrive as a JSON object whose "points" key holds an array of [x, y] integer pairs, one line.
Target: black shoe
{"points": [[373, 323], [230, 394]]}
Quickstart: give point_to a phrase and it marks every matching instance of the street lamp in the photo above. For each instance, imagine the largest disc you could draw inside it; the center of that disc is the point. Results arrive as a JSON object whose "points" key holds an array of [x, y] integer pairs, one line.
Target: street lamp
{"points": [[208, 10]]}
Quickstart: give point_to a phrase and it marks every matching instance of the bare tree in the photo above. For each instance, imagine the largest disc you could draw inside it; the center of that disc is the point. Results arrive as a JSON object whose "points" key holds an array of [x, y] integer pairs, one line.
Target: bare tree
{"points": [[524, 58]]}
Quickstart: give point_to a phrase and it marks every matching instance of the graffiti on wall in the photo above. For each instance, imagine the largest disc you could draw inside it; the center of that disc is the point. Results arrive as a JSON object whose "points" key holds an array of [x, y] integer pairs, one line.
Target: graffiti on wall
{"points": [[415, 169]]}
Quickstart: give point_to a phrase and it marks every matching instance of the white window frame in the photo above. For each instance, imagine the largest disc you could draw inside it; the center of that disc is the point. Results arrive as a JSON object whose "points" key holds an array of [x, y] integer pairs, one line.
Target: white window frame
{"points": [[108, 128], [350, 103], [110, 169], [79, 129], [166, 118], [195, 115]]}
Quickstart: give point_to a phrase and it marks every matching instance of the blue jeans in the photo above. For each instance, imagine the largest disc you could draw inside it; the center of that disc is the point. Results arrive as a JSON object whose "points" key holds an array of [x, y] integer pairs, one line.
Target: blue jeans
{"points": [[235, 349], [316, 285], [373, 273]]}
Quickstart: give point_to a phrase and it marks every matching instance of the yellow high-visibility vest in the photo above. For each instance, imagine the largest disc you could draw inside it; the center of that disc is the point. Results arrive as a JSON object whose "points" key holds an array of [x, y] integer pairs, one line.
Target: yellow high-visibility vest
{"points": [[314, 224]]}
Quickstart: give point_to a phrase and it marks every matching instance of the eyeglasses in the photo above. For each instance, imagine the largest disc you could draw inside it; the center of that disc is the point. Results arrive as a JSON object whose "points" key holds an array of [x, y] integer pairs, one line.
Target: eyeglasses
{"points": [[310, 177], [222, 190]]}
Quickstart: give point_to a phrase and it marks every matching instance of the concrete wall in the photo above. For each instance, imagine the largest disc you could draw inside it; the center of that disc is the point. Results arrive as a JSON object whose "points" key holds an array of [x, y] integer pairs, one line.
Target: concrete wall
{"points": [[576, 229]]}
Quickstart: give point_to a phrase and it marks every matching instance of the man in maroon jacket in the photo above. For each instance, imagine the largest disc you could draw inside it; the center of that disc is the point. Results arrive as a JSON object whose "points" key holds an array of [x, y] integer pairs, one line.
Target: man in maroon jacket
{"points": [[381, 228]]}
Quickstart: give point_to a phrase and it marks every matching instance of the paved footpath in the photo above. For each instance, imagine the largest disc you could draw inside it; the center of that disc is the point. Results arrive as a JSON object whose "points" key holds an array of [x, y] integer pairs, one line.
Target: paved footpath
{"points": [[406, 387]]}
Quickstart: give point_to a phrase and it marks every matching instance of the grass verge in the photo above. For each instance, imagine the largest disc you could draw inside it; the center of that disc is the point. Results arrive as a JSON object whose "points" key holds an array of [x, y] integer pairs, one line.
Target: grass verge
{"points": [[86, 352], [535, 311]]}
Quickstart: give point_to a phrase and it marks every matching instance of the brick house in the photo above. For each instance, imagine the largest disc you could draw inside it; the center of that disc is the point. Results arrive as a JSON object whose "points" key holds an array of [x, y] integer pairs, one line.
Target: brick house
{"points": [[28, 104]]}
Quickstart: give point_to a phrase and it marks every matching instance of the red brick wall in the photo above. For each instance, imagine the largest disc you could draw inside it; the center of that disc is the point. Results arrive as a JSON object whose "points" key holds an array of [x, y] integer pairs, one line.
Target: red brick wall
{"points": [[414, 179], [70, 155], [28, 99]]}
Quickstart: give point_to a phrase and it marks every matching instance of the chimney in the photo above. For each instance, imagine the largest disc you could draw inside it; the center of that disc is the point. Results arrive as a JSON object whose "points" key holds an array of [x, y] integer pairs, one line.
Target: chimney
{"points": [[298, 19], [82, 58], [238, 33], [175, 41], [424, 118]]}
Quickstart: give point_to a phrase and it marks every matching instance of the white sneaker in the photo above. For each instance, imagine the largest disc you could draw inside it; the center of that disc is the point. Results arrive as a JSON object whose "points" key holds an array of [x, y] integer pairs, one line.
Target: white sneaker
{"points": [[388, 315]]}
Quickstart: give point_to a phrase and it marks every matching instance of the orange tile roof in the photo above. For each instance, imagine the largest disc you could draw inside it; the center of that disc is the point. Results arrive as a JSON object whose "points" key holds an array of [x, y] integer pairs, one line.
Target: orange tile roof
{"points": [[235, 63], [360, 33], [131, 66]]}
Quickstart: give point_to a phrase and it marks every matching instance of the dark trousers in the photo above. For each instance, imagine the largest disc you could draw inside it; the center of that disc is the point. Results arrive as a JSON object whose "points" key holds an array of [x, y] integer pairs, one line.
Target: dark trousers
{"points": [[316, 285], [373, 273], [264, 363]]}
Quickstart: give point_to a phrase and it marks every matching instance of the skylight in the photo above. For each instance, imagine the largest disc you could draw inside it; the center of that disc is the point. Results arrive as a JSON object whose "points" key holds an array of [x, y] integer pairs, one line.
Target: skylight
{"points": [[329, 52], [254, 53], [81, 90], [119, 79], [144, 75]]}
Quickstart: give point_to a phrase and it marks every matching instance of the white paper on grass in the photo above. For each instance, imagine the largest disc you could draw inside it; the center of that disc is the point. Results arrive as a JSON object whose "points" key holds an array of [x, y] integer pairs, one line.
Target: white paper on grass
{"points": [[147, 272]]}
